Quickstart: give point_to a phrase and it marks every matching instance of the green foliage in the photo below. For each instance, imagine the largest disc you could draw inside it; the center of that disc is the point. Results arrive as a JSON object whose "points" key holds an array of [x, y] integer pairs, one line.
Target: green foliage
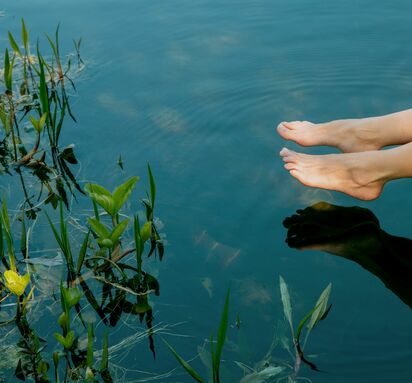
{"points": [[111, 202], [35, 92], [216, 353]]}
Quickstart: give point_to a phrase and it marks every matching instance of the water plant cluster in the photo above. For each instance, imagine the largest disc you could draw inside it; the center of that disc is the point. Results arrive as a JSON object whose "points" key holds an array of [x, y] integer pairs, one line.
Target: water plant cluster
{"points": [[33, 107], [104, 261]]}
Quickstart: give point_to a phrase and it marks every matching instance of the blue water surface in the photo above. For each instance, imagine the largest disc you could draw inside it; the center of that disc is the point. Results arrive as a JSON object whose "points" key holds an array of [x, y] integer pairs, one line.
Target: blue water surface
{"points": [[197, 88]]}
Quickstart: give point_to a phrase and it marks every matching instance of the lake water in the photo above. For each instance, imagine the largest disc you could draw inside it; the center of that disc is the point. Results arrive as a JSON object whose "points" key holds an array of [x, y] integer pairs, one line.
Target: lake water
{"points": [[197, 88]]}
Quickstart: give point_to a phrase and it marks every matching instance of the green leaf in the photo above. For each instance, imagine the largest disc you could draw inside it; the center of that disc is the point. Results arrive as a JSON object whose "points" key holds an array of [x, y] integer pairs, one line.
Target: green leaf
{"points": [[97, 189], [9, 238], [303, 321], [90, 337], [122, 193], [14, 45], [43, 90], [72, 296], [82, 253], [118, 230], [8, 70], [221, 336], [24, 35], [99, 228], [321, 307], [42, 122], [146, 231], [105, 353], [189, 369], [106, 202], [287, 307], [69, 339], [152, 186]]}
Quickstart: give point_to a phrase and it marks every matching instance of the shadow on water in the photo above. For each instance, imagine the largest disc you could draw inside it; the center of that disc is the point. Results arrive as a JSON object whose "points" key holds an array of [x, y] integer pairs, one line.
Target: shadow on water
{"points": [[354, 233]]}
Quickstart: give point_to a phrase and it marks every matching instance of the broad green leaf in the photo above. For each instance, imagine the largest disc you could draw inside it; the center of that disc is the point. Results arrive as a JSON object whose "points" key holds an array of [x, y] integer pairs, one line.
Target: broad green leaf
{"points": [[287, 307], [118, 230], [99, 228], [122, 193], [189, 369], [321, 307], [106, 202], [97, 189]]}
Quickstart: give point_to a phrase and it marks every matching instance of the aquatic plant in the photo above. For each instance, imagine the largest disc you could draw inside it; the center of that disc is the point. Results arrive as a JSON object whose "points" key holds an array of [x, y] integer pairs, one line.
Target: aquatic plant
{"points": [[35, 100], [215, 350], [265, 370]]}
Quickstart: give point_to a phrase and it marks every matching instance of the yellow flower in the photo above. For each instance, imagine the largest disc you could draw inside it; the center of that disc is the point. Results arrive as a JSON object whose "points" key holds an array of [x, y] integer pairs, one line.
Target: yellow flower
{"points": [[15, 282]]}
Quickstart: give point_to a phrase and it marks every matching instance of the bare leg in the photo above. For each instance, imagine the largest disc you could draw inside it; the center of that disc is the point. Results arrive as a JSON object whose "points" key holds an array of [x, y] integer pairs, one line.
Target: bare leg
{"points": [[354, 135], [361, 175]]}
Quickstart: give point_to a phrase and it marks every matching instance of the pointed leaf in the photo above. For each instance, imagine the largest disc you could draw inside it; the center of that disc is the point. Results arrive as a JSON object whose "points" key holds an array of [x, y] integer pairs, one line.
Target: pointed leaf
{"points": [[99, 228], [287, 307], [14, 45], [189, 369], [321, 307], [122, 193], [152, 186], [118, 230]]}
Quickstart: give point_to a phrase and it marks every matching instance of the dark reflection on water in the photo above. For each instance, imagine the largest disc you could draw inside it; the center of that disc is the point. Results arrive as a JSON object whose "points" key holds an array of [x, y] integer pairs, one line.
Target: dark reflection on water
{"points": [[355, 234]]}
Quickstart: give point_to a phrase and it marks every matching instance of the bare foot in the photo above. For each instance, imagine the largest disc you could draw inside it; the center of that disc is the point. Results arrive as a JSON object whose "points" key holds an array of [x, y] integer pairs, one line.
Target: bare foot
{"points": [[355, 135], [361, 175]]}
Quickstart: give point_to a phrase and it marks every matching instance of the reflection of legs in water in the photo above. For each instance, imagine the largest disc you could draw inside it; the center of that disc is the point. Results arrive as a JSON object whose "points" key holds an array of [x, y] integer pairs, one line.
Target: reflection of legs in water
{"points": [[361, 175], [354, 135], [354, 233]]}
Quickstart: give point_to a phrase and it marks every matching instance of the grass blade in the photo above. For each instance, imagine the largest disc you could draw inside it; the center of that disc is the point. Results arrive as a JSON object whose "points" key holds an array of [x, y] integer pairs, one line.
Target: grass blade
{"points": [[221, 337], [189, 369], [152, 186]]}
